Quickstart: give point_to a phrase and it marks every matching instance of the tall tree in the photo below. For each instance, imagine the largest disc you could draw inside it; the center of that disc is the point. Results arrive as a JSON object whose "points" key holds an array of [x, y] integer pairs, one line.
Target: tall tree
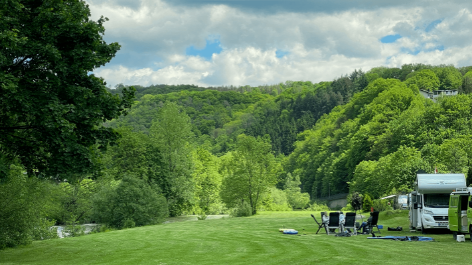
{"points": [[425, 79], [295, 197], [250, 171], [467, 83], [449, 77], [51, 107], [172, 135], [128, 156], [207, 180]]}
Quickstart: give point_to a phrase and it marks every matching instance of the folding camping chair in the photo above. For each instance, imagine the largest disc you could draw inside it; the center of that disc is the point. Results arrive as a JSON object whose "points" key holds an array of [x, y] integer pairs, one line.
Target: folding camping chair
{"points": [[334, 222], [320, 225], [351, 222], [375, 220]]}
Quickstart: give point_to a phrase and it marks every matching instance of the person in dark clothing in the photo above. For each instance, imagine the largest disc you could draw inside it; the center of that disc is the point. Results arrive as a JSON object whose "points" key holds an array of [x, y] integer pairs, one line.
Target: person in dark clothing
{"points": [[365, 226]]}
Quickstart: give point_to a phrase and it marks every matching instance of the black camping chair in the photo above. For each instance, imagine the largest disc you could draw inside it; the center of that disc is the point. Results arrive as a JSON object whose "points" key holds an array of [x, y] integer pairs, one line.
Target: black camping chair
{"points": [[351, 222], [320, 225], [334, 222], [375, 220]]}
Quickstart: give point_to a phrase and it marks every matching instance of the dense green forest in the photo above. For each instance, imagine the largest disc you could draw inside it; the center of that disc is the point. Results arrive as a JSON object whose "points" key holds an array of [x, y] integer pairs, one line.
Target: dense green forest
{"points": [[322, 132]]}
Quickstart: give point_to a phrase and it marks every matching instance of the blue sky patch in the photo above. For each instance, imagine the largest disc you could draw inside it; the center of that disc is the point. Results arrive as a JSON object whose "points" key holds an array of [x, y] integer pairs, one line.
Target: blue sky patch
{"points": [[280, 54], [390, 38], [432, 25], [416, 51], [211, 47]]}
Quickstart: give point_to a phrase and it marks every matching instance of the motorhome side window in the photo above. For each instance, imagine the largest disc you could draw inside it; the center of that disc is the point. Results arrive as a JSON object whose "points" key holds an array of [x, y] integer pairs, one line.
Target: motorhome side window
{"points": [[436, 200]]}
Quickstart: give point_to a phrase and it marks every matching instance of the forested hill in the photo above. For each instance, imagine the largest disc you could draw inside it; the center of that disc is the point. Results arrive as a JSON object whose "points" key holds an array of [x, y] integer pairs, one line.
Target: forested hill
{"points": [[375, 143], [219, 114], [380, 115]]}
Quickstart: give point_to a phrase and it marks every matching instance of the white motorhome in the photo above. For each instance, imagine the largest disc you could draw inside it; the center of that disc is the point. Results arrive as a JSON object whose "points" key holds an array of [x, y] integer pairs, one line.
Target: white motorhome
{"points": [[429, 202]]}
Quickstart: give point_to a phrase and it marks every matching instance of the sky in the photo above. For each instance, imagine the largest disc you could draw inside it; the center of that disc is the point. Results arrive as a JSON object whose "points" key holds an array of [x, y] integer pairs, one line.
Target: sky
{"points": [[264, 42]]}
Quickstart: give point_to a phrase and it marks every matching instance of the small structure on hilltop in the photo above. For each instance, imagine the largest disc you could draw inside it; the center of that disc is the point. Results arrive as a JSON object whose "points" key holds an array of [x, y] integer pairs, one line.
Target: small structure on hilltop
{"points": [[433, 95]]}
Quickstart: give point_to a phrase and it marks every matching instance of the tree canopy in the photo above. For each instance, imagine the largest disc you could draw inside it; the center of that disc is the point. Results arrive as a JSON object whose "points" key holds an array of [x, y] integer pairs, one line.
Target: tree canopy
{"points": [[249, 172], [51, 107]]}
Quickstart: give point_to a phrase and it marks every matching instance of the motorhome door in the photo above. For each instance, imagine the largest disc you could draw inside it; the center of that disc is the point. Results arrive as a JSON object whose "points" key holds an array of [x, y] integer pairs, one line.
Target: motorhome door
{"points": [[454, 213], [415, 207]]}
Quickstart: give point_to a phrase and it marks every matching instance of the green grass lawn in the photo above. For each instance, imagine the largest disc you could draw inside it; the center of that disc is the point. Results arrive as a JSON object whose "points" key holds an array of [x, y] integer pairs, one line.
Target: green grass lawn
{"points": [[253, 240]]}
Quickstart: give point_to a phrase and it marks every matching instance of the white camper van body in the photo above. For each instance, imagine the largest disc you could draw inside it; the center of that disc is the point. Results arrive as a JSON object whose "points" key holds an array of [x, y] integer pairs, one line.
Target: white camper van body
{"points": [[429, 202]]}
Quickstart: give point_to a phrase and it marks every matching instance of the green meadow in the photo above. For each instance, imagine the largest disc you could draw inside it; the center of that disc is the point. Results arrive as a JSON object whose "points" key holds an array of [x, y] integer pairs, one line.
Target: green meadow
{"points": [[250, 240]]}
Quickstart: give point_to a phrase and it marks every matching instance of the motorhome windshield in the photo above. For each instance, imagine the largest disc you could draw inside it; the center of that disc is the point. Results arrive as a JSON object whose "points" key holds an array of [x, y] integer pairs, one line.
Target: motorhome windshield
{"points": [[436, 200], [402, 199]]}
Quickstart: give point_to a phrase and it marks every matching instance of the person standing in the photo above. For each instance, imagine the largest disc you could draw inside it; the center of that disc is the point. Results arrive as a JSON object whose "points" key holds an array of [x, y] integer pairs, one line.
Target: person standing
{"points": [[341, 221], [325, 220]]}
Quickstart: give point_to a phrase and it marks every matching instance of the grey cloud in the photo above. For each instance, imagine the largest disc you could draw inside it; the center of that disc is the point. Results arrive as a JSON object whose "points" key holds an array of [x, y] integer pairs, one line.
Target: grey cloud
{"points": [[125, 3], [135, 60], [456, 31], [405, 29], [325, 6]]}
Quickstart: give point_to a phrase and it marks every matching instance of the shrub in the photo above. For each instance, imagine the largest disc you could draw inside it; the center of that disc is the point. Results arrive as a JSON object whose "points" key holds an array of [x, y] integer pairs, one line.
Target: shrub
{"points": [[128, 223], [348, 208], [133, 200], [202, 216], [218, 208], [76, 201], [44, 230], [73, 230], [276, 200], [296, 198], [102, 228], [243, 209], [299, 200], [22, 201], [355, 200], [367, 203], [102, 203], [317, 207], [393, 212], [381, 205]]}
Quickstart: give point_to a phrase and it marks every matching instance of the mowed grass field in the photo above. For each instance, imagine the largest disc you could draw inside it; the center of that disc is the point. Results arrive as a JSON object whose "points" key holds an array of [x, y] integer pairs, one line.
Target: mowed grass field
{"points": [[251, 240]]}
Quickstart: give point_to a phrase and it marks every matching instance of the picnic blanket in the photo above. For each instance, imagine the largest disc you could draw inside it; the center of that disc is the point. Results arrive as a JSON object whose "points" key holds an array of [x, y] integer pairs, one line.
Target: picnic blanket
{"points": [[404, 238]]}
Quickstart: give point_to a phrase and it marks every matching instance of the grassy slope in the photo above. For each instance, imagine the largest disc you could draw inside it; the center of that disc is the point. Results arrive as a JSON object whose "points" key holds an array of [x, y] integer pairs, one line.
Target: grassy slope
{"points": [[254, 240]]}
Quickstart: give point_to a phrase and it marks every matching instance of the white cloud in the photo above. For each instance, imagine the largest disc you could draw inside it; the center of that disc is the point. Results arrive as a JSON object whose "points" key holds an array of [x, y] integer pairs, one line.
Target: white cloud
{"points": [[190, 71], [248, 66], [455, 56], [320, 45]]}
